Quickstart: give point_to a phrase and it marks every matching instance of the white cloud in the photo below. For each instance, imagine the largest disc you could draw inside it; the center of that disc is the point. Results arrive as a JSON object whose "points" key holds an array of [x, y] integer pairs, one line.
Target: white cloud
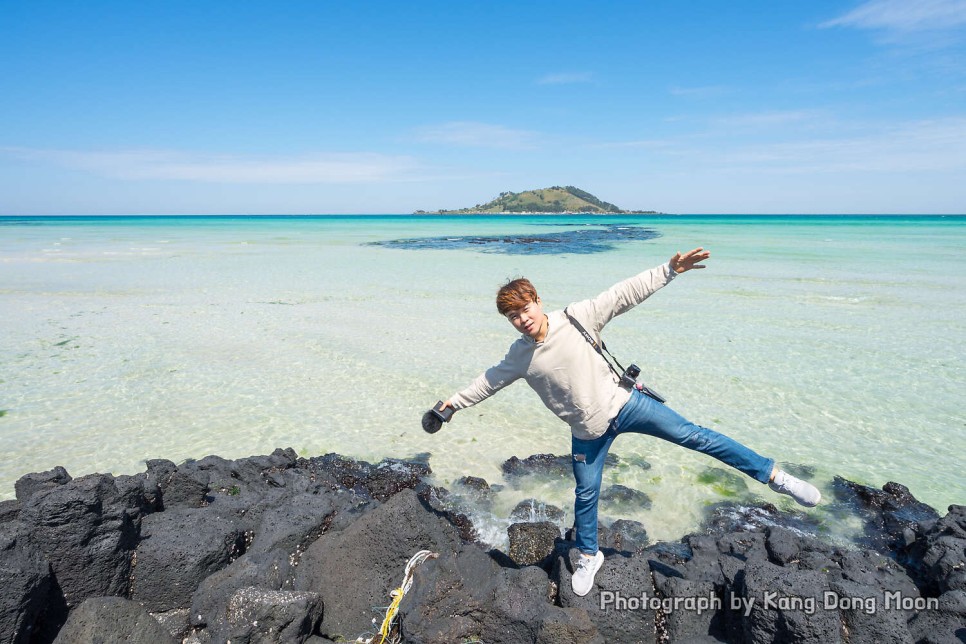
{"points": [[708, 91], [921, 146], [904, 15], [647, 144], [210, 168], [566, 78], [476, 135], [768, 118], [926, 146]]}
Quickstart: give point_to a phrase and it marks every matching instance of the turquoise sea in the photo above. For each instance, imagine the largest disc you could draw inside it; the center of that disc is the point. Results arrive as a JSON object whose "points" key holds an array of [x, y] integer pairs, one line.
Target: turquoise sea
{"points": [[835, 342]]}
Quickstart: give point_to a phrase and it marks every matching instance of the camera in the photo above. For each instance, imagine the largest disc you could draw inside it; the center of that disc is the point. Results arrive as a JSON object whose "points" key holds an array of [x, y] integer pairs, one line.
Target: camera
{"points": [[629, 377], [444, 414], [434, 418], [629, 380]]}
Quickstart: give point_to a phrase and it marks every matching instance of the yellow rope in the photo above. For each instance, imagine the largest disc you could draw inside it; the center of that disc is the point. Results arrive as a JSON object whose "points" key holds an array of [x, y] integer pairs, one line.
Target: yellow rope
{"points": [[397, 594]]}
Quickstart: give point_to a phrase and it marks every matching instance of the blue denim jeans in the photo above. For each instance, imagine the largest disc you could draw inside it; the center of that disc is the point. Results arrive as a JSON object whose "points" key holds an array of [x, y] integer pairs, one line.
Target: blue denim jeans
{"points": [[644, 415]]}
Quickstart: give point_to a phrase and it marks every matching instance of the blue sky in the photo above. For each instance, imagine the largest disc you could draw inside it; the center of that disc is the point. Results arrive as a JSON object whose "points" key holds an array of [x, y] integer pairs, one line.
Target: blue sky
{"points": [[387, 107]]}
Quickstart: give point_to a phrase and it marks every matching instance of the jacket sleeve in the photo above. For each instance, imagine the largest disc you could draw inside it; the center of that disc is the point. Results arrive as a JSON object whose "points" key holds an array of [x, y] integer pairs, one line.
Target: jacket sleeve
{"points": [[487, 383], [621, 297]]}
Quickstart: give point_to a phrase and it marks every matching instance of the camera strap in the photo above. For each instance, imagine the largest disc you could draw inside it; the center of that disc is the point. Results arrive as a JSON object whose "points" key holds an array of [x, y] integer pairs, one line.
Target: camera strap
{"points": [[599, 347]]}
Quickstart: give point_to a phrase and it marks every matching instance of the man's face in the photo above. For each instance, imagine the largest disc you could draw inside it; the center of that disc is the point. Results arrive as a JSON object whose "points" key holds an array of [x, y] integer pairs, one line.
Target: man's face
{"points": [[528, 320]]}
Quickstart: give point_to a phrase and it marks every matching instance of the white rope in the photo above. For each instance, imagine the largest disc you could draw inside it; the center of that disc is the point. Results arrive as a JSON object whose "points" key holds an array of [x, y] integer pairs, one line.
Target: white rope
{"points": [[397, 595]]}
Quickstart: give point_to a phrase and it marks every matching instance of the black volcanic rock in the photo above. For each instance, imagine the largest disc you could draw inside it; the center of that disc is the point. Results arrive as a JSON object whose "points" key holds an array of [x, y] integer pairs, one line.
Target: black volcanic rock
{"points": [[260, 615], [532, 543], [618, 496], [279, 548], [534, 510], [942, 624], [380, 481], [546, 466], [9, 510], [25, 581], [179, 549], [628, 577], [729, 516], [891, 514], [937, 556], [356, 568], [466, 596], [476, 491], [88, 532], [784, 605], [29, 484], [179, 488], [625, 535], [112, 620], [270, 571]]}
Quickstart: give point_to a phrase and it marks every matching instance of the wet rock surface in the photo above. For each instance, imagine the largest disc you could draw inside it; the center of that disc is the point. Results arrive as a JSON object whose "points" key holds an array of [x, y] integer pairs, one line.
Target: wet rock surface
{"points": [[625, 536], [534, 510], [279, 548], [532, 543], [888, 513], [616, 496]]}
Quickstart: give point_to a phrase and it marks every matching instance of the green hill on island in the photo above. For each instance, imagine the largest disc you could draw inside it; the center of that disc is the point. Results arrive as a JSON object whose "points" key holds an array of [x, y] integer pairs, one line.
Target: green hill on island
{"points": [[547, 200]]}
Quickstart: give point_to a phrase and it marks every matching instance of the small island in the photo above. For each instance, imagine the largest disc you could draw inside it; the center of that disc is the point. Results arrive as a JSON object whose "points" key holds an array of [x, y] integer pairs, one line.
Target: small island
{"points": [[555, 200]]}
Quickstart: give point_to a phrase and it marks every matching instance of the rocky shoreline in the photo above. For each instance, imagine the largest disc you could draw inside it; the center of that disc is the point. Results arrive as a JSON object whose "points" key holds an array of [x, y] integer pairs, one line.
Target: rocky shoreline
{"points": [[280, 548]]}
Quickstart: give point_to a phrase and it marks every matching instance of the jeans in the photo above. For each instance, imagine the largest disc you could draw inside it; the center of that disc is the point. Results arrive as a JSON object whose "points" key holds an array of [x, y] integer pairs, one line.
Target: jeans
{"points": [[644, 415]]}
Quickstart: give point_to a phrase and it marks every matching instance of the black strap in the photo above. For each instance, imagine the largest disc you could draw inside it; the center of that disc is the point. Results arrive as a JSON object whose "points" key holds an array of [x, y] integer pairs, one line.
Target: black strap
{"points": [[597, 345], [600, 345]]}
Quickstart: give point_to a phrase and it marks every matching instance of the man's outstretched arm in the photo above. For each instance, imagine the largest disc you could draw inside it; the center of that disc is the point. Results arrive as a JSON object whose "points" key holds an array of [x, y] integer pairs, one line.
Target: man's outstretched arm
{"points": [[485, 385], [625, 295]]}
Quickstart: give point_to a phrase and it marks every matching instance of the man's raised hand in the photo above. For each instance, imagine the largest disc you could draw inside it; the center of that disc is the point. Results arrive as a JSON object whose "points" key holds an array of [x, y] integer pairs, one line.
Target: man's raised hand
{"points": [[689, 260]]}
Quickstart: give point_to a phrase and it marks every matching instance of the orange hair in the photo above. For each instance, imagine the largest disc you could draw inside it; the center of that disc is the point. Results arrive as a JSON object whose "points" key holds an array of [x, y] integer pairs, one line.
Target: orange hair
{"points": [[514, 295]]}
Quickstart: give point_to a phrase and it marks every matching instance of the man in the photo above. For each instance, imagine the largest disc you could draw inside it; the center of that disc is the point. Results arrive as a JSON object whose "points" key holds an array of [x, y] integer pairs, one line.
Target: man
{"points": [[577, 383]]}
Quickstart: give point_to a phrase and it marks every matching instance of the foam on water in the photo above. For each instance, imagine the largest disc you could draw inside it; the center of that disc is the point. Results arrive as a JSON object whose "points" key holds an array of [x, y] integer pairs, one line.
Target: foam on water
{"points": [[832, 343]]}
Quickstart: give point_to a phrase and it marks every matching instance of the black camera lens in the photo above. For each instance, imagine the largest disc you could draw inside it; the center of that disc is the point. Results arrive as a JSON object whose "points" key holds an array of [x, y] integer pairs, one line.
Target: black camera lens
{"points": [[434, 418], [431, 422]]}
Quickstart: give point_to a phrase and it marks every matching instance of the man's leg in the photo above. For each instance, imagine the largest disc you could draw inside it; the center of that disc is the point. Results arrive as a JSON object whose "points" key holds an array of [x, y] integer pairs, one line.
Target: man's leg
{"points": [[588, 465], [644, 415]]}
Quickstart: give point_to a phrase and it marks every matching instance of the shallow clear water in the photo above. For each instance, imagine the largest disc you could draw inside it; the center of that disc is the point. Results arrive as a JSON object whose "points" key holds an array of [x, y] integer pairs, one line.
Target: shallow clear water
{"points": [[830, 342]]}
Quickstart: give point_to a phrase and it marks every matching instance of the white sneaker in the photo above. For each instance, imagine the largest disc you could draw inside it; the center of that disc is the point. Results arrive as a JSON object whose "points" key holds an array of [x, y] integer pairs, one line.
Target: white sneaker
{"points": [[802, 491], [586, 569]]}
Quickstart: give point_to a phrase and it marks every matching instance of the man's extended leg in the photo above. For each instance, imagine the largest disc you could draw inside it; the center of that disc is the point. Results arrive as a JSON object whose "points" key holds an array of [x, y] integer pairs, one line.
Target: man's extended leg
{"points": [[644, 415]]}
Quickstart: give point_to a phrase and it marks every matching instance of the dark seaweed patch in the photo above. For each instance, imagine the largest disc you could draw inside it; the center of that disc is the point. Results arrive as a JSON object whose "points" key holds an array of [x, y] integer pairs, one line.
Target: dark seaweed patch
{"points": [[583, 241]]}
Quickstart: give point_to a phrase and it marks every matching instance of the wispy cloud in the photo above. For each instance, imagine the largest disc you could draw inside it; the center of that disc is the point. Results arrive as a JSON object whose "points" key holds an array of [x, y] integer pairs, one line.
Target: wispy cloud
{"points": [[566, 78], [904, 15], [924, 146], [476, 135], [708, 91], [920, 146], [769, 118], [642, 144], [210, 168]]}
